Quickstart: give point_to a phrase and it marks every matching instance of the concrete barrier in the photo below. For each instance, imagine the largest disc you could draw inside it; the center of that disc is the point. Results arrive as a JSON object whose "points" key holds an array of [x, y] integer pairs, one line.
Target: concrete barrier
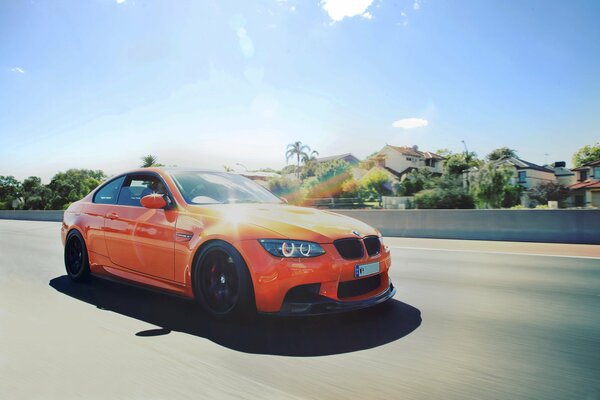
{"points": [[33, 215], [555, 226]]}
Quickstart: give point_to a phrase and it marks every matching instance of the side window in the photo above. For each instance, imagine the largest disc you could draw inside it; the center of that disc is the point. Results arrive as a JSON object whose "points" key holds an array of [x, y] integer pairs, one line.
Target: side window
{"points": [[522, 176], [109, 192], [138, 186]]}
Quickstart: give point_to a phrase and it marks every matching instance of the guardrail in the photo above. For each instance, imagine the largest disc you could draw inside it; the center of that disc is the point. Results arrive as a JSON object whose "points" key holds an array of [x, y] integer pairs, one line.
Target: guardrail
{"points": [[553, 226], [333, 202], [33, 215]]}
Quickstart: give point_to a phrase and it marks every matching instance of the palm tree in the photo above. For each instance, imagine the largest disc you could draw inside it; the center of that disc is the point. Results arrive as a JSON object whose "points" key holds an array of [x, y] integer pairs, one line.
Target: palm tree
{"points": [[298, 150], [310, 158], [150, 161], [502, 152]]}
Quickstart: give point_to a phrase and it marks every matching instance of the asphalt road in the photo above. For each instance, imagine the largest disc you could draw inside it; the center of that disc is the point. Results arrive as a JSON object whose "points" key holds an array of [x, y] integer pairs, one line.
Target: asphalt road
{"points": [[469, 321]]}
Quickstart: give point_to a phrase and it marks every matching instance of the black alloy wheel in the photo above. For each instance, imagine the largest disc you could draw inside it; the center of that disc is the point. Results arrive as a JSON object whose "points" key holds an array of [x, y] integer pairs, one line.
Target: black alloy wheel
{"points": [[76, 258], [222, 282]]}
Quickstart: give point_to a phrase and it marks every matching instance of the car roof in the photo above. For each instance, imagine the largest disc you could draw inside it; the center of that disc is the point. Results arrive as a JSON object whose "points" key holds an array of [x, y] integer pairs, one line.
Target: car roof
{"points": [[169, 170]]}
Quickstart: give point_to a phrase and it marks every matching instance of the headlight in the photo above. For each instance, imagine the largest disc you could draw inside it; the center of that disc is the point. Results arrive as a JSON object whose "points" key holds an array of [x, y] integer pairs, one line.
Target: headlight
{"points": [[291, 248]]}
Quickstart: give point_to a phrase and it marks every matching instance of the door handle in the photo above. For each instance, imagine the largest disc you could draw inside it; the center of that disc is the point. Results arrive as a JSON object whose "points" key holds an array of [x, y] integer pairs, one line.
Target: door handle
{"points": [[112, 215]]}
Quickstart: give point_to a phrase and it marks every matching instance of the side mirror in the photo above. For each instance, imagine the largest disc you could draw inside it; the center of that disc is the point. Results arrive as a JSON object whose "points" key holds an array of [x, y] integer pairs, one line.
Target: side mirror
{"points": [[153, 201], [284, 200]]}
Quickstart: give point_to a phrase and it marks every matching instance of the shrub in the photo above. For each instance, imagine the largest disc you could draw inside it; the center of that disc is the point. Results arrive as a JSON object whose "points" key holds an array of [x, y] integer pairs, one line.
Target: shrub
{"points": [[444, 199], [377, 183], [286, 188], [328, 180], [448, 194], [351, 189]]}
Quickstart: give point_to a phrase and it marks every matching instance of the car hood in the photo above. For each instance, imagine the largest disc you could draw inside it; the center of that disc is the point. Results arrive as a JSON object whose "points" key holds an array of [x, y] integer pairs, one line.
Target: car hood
{"points": [[300, 223]]}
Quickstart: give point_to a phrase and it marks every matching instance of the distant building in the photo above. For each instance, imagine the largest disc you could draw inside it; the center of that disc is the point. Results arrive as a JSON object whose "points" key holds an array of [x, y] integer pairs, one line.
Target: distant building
{"points": [[564, 176], [401, 160], [527, 174], [348, 157], [260, 177], [586, 191]]}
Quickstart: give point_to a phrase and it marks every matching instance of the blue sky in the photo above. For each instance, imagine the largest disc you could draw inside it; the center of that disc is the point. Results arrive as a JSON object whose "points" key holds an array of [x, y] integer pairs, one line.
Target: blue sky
{"points": [[99, 83]]}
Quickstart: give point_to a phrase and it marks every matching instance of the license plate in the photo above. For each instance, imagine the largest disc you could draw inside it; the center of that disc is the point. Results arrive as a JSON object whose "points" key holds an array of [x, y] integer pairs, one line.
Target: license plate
{"points": [[366, 269]]}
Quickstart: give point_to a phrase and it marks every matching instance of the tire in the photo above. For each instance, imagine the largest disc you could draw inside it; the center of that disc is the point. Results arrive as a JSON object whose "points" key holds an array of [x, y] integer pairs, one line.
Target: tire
{"points": [[222, 283], [76, 257]]}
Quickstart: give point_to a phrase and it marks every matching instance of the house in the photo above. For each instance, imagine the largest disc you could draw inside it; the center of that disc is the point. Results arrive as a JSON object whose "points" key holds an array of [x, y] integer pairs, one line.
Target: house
{"points": [[348, 157], [260, 177], [586, 191], [401, 160], [527, 174], [564, 176]]}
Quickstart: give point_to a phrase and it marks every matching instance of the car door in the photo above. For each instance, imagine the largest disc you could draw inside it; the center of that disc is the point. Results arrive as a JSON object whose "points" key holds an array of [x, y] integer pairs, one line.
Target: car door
{"points": [[95, 212], [139, 238]]}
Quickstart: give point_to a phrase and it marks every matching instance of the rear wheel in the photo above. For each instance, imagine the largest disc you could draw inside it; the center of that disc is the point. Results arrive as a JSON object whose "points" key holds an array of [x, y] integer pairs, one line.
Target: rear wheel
{"points": [[76, 257], [222, 283]]}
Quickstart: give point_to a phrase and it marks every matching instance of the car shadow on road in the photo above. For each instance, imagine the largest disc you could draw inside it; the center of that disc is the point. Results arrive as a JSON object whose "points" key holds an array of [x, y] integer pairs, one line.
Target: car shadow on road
{"points": [[306, 336]]}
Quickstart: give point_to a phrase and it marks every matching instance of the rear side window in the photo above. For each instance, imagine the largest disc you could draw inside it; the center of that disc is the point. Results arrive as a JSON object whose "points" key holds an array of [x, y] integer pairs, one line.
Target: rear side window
{"points": [[109, 192], [138, 186]]}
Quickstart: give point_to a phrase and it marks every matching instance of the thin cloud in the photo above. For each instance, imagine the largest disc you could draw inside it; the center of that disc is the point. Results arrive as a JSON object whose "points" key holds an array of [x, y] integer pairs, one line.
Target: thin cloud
{"points": [[17, 70], [340, 9], [246, 43], [120, 1], [403, 19], [367, 15], [417, 5], [410, 123]]}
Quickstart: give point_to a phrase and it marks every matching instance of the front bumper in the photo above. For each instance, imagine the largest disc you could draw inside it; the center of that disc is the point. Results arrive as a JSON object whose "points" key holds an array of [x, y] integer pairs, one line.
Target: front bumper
{"points": [[275, 279], [319, 305]]}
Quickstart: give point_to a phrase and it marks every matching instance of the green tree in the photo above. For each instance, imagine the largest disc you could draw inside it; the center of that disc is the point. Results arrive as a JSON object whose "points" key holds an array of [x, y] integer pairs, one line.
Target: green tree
{"points": [[415, 181], [310, 164], [150, 161], [493, 187], [376, 183], [443, 152], [286, 188], [352, 189], [328, 180], [456, 164], [500, 153], [72, 185], [549, 191], [288, 169], [227, 168], [299, 151], [586, 155], [10, 189], [35, 195]]}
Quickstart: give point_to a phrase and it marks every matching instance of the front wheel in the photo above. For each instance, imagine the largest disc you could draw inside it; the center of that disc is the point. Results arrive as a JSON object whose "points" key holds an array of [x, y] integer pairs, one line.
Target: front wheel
{"points": [[222, 282], [76, 257]]}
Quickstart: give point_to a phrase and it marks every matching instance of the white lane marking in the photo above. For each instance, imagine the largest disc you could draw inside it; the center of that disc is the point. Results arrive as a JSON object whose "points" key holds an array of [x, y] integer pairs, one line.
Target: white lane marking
{"points": [[492, 252]]}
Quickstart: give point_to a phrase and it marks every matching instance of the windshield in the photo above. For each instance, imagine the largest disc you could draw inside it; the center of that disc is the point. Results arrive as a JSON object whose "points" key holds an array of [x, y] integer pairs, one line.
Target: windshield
{"points": [[220, 188]]}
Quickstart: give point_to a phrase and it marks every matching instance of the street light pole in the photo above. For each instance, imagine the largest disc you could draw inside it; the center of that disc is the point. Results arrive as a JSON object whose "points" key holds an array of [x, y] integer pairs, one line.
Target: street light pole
{"points": [[242, 165], [465, 144]]}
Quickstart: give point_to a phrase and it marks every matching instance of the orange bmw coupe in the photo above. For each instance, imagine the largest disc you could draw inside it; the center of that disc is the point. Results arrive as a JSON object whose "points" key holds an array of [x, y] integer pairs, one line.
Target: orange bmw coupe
{"points": [[225, 241]]}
